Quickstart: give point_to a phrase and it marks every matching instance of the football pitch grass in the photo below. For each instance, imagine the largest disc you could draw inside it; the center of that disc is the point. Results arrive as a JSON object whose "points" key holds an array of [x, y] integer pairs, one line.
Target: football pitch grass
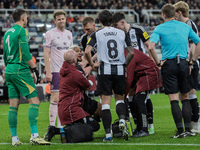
{"points": [[163, 124]]}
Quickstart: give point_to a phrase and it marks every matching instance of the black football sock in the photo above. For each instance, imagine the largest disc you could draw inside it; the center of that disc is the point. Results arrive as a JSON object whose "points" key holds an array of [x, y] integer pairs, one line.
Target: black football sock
{"points": [[121, 109], [127, 107], [177, 115], [186, 111], [195, 109], [149, 107], [106, 119], [134, 111], [142, 111]]}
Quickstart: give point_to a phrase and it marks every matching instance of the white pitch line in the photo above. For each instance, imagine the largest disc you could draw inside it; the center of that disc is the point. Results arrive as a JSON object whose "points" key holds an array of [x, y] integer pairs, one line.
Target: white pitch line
{"points": [[122, 144]]}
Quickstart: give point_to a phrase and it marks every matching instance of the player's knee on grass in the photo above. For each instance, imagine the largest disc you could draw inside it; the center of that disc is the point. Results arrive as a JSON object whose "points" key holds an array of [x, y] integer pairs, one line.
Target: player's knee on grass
{"points": [[93, 123]]}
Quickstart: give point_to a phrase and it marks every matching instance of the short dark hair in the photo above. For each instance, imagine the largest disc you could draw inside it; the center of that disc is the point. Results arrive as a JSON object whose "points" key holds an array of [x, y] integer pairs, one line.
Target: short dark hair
{"points": [[87, 20], [168, 10], [17, 14], [117, 17], [105, 17]]}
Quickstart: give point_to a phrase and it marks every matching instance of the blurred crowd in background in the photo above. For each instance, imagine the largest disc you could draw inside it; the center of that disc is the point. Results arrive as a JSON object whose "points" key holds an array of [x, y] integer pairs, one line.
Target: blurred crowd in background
{"points": [[37, 26]]}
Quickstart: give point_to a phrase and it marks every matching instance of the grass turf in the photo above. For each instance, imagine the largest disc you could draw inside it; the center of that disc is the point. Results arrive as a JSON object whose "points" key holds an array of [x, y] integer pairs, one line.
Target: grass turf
{"points": [[163, 124]]}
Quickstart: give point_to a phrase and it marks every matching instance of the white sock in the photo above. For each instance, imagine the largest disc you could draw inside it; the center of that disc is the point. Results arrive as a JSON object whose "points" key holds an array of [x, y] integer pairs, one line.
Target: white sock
{"points": [[15, 139], [53, 111], [108, 135], [198, 125], [151, 125], [195, 125], [34, 135], [122, 120], [130, 98], [58, 122]]}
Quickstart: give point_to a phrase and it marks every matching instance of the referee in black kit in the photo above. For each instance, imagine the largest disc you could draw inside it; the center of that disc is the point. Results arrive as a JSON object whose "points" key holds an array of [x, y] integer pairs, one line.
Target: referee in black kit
{"points": [[173, 36]]}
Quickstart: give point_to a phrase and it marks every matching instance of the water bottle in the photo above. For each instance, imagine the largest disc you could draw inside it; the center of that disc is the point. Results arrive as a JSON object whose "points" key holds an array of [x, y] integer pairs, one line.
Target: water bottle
{"points": [[129, 126], [62, 134]]}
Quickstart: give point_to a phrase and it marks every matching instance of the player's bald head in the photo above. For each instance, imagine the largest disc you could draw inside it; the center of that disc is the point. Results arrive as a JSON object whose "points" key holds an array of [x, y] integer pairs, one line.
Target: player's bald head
{"points": [[70, 56]]}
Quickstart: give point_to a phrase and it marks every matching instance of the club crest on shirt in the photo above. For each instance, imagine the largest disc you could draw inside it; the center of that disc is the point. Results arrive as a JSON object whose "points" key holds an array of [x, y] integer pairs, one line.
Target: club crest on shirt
{"points": [[132, 36]]}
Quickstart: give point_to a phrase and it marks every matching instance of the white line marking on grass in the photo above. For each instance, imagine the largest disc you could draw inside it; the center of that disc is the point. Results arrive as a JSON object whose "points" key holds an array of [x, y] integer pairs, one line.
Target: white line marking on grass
{"points": [[122, 144]]}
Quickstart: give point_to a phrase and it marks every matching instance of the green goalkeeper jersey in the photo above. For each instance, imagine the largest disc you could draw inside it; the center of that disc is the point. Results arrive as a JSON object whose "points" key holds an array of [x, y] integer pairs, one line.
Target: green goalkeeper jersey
{"points": [[16, 51]]}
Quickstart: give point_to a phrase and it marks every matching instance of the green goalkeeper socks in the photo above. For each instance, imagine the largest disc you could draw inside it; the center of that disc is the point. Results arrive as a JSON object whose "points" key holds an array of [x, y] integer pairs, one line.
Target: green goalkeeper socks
{"points": [[33, 117], [12, 120]]}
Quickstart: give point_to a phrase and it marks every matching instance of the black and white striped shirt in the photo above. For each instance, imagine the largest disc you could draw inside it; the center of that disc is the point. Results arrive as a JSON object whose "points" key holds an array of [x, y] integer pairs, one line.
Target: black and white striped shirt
{"points": [[138, 37], [194, 28], [110, 44]]}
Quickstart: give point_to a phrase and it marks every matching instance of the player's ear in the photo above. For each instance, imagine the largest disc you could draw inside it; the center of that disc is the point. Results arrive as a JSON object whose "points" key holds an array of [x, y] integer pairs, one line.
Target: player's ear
{"points": [[54, 21], [123, 22], [22, 17]]}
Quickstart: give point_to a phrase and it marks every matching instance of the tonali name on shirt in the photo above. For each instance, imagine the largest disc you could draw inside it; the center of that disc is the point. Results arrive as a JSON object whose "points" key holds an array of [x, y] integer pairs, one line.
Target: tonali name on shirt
{"points": [[110, 33], [114, 60]]}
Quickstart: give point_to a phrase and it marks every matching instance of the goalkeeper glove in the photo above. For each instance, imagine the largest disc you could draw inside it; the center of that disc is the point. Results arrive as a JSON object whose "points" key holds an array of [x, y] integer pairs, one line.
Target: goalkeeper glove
{"points": [[36, 75]]}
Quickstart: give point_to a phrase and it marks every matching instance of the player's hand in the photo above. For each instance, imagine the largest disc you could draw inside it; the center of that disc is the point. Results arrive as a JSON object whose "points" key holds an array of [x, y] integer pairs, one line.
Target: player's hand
{"points": [[162, 62], [95, 66], [87, 70], [49, 77], [190, 69], [36, 75], [83, 64]]}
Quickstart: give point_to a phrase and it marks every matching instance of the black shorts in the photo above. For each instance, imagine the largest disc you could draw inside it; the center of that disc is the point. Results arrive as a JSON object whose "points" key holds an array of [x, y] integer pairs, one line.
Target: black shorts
{"points": [[97, 92], [107, 83], [90, 105], [194, 76], [176, 76]]}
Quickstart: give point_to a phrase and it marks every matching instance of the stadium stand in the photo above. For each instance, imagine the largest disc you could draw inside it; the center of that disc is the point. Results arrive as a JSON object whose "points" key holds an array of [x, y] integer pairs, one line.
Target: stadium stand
{"points": [[142, 12]]}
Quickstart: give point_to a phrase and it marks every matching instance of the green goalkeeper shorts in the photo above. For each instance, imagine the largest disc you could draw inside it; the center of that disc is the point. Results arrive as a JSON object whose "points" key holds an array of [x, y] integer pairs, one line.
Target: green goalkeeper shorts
{"points": [[20, 84]]}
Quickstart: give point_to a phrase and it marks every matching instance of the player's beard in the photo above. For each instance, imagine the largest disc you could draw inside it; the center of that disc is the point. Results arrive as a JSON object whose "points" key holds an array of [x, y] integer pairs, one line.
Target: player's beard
{"points": [[61, 26], [25, 24]]}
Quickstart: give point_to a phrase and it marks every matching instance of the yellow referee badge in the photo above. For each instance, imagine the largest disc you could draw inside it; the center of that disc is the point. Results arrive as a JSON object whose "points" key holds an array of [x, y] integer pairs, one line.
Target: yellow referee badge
{"points": [[145, 34], [88, 40]]}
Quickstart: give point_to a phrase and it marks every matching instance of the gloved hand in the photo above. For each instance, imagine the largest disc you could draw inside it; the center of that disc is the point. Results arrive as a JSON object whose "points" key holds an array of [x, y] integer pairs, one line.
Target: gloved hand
{"points": [[36, 75]]}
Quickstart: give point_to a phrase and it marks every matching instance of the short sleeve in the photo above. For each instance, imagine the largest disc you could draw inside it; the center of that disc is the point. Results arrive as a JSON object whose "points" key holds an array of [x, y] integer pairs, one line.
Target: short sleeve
{"points": [[193, 36], [71, 39], [92, 40], [143, 34], [47, 40], [155, 36], [127, 39]]}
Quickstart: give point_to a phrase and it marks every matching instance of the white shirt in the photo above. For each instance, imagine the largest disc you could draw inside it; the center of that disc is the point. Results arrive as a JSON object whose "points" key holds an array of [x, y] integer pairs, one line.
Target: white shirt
{"points": [[58, 42]]}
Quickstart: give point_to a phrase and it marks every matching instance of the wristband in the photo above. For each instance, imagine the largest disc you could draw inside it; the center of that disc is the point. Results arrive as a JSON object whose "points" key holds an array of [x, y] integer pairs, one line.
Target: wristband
{"points": [[159, 64]]}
